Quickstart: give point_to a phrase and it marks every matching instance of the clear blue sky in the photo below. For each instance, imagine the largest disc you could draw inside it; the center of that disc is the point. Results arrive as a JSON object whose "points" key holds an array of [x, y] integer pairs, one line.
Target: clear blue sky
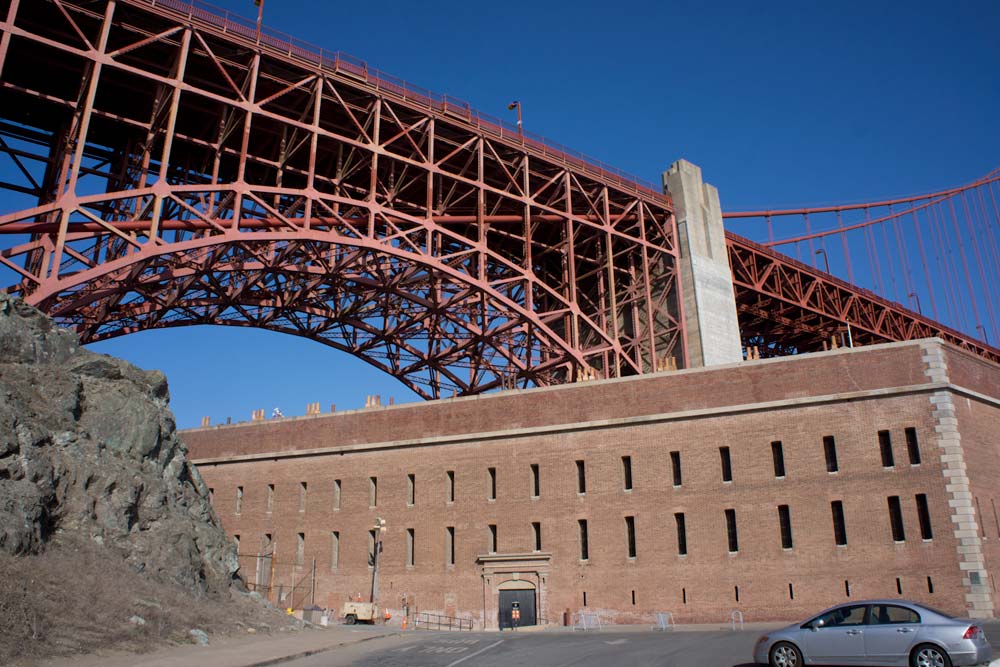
{"points": [[780, 103]]}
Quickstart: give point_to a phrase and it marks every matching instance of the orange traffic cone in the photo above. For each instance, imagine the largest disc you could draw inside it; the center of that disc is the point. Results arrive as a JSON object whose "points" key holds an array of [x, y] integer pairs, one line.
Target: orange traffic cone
{"points": [[404, 622]]}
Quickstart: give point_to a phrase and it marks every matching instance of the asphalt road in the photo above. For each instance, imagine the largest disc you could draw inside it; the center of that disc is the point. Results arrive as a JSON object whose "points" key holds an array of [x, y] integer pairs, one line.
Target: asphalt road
{"points": [[718, 648], [545, 649]]}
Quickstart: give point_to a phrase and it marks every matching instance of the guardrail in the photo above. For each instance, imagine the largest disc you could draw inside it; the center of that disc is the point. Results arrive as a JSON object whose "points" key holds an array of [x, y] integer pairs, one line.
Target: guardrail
{"points": [[342, 63], [427, 621]]}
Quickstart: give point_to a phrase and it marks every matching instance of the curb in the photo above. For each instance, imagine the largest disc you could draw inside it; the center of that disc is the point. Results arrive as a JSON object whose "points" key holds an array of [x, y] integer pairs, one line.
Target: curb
{"points": [[315, 651]]}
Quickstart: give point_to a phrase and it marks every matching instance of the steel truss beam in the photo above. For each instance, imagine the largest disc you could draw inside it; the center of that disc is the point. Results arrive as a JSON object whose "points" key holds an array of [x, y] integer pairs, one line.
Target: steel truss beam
{"points": [[190, 174], [785, 306]]}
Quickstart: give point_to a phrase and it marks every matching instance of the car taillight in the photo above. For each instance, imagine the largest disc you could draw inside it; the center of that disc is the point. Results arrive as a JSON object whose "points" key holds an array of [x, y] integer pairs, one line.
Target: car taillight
{"points": [[972, 632]]}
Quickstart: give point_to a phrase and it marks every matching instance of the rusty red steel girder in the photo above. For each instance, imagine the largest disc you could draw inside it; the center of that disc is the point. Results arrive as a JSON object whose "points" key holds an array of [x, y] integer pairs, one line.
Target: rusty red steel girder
{"points": [[786, 306], [186, 169]]}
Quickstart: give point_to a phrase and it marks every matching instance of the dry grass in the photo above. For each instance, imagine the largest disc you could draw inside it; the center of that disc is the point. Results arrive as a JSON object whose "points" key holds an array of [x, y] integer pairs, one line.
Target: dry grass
{"points": [[79, 598]]}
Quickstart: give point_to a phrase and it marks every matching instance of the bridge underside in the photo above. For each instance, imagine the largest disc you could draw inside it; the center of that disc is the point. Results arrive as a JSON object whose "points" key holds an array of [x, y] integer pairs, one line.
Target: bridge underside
{"points": [[181, 169]]}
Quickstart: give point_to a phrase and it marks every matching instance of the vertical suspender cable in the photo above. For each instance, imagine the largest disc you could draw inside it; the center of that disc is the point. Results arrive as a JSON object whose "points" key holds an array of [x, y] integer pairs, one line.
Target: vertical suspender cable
{"points": [[874, 267], [903, 258], [965, 263], [812, 247], [988, 288], [888, 261], [991, 235], [944, 279], [991, 225], [923, 262], [847, 250]]}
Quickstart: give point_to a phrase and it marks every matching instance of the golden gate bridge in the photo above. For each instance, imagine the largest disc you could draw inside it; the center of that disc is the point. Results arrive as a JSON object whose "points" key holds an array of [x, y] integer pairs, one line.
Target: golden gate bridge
{"points": [[187, 166]]}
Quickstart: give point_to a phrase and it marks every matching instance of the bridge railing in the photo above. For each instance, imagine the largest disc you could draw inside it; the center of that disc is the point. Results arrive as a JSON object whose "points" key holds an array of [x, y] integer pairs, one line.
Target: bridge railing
{"points": [[339, 62]]}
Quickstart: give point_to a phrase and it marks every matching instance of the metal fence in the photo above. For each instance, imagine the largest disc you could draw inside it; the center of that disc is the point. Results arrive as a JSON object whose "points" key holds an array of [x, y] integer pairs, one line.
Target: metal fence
{"points": [[264, 574], [426, 621]]}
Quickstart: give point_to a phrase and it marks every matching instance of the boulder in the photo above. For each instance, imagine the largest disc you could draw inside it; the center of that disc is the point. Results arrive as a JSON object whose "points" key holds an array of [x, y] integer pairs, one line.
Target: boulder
{"points": [[88, 450]]}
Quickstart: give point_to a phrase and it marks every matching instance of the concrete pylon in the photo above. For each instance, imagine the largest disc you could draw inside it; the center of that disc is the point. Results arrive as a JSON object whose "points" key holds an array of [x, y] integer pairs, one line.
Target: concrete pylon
{"points": [[713, 332]]}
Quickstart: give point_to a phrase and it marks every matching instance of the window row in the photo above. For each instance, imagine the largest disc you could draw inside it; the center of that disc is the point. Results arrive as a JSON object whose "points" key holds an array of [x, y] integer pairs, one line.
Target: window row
{"points": [[777, 454], [373, 546], [784, 537], [883, 614]]}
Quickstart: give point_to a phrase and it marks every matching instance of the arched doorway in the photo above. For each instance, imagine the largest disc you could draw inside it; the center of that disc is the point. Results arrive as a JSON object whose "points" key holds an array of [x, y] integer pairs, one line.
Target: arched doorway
{"points": [[515, 577], [519, 595]]}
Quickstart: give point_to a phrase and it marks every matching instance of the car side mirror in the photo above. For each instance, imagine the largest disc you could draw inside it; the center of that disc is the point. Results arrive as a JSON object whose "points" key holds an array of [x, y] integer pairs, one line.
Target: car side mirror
{"points": [[816, 625]]}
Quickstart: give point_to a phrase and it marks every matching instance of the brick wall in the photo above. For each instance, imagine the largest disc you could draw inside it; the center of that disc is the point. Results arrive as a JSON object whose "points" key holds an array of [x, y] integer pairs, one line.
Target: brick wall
{"points": [[848, 395]]}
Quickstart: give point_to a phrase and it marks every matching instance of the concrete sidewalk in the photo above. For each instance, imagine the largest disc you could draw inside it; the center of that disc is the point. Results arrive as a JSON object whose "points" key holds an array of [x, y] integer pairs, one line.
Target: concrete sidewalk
{"points": [[243, 651]]}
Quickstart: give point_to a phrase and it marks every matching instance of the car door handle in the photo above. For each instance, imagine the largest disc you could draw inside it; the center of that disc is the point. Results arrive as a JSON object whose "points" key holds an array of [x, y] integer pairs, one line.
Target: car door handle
{"points": [[854, 632], [904, 629]]}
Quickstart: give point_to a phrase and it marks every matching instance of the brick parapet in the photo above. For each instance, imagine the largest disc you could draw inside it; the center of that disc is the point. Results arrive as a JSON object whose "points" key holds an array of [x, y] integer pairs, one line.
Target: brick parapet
{"points": [[758, 382]]}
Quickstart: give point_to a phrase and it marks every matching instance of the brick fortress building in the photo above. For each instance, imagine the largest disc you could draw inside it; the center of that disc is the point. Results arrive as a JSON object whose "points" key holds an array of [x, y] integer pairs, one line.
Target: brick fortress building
{"points": [[773, 487]]}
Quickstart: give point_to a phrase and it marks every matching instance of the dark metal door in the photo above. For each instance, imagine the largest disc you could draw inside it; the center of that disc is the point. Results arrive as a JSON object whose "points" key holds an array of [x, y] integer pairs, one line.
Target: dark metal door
{"points": [[526, 603]]}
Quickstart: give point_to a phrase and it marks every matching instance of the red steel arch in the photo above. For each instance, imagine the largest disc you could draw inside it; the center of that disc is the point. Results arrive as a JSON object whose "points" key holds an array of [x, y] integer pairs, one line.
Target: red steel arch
{"points": [[189, 169]]}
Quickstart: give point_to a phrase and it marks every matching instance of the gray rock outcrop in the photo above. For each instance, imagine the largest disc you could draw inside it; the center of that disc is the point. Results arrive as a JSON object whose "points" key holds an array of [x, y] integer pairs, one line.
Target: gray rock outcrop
{"points": [[88, 450]]}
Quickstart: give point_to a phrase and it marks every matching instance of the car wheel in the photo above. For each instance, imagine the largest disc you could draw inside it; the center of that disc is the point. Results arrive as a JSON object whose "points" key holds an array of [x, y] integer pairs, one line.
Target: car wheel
{"points": [[928, 655], [351, 619], [784, 654]]}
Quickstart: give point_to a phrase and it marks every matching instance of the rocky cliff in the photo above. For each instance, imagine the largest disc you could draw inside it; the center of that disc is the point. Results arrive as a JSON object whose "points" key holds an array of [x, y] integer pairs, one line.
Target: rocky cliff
{"points": [[88, 451]]}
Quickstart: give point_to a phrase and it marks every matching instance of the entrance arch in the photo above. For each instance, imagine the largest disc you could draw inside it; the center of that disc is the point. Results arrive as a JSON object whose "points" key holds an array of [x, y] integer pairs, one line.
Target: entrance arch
{"points": [[514, 577], [521, 593]]}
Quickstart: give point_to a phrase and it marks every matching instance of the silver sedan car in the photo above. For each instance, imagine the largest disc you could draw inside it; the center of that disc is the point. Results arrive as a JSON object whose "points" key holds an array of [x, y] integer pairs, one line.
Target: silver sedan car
{"points": [[876, 632]]}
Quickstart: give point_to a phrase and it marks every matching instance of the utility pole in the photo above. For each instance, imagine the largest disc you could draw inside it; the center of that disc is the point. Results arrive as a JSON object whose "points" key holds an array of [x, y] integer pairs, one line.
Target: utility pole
{"points": [[379, 529]]}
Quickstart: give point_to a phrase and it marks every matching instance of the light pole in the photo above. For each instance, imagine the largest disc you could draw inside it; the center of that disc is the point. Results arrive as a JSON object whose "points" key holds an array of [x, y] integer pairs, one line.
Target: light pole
{"points": [[260, 15], [982, 330], [826, 261], [516, 104], [916, 297], [379, 528]]}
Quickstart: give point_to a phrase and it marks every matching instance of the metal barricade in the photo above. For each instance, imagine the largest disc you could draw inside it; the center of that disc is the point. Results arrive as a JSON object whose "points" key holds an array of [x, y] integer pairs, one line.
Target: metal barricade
{"points": [[664, 621], [587, 621]]}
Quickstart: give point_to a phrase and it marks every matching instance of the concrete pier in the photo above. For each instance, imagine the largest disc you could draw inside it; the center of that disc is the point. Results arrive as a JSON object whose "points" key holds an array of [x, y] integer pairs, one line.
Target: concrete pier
{"points": [[713, 334]]}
